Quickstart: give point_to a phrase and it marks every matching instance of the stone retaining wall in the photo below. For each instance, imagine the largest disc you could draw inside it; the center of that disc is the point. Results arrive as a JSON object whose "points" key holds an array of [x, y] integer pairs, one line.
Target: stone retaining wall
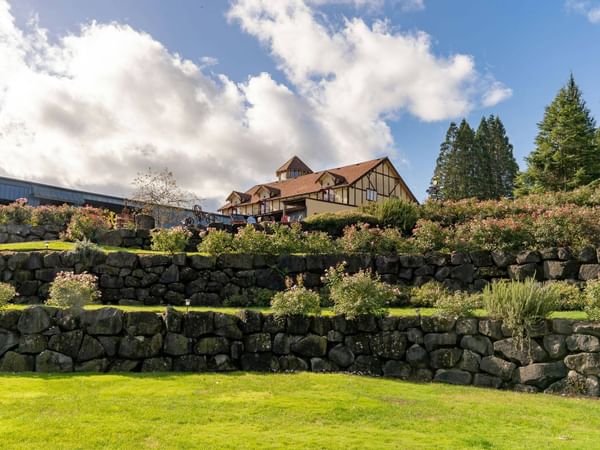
{"points": [[562, 357], [152, 279], [27, 233]]}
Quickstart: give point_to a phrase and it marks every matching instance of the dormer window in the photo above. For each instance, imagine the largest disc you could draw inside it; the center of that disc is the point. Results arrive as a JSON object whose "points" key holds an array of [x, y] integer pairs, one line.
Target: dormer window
{"points": [[329, 195]]}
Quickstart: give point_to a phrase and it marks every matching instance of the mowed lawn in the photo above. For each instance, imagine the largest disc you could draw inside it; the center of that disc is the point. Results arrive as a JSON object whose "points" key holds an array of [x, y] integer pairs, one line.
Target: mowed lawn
{"points": [[282, 411]]}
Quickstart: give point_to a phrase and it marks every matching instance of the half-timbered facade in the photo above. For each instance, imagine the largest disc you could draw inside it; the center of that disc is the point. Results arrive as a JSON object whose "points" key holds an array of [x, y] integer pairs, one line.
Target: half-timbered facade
{"points": [[299, 192]]}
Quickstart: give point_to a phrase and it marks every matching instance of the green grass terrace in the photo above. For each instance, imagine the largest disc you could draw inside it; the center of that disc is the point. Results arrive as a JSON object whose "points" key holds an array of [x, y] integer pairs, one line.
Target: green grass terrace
{"points": [[264, 411]]}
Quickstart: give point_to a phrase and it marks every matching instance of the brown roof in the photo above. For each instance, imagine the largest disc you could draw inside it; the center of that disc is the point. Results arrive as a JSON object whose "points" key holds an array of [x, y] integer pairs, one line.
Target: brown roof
{"points": [[307, 184], [294, 163]]}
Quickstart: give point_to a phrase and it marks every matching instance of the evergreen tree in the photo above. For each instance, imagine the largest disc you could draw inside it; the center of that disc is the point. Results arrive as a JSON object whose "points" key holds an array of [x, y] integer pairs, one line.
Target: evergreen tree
{"points": [[439, 179], [565, 156], [500, 166]]}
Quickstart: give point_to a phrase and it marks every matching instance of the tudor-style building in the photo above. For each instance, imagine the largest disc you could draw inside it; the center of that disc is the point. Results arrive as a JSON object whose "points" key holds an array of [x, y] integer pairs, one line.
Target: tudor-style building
{"points": [[299, 192]]}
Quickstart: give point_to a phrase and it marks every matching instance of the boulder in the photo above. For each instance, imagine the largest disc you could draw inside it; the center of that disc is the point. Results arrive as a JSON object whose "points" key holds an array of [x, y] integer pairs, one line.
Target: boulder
{"points": [[257, 342], [528, 256], [91, 349], [389, 344], [411, 261], [541, 374], [94, 365], [479, 344], [592, 328], [453, 376], [212, 345], [503, 259], [368, 365], [470, 361], [281, 344], [491, 328], [68, 319], [526, 352], [298, 324], [583, 343], [520, 272], [387, 264], [67, 343], [310, 346], [104, 321], [237, 261], [481, 258], [463, 273], [196, 324], [436, 340], [138, 347], [259, 362], [359, 344], [33, 320], [161, 364], [584, 363], [483, 380], [563, 326], [322, 365], [123, 365], [222, 363], [341, 355], [32, 343], [417, 357], [560, 270], [15, 362], [459, 258], [415, 335], [467, 325], [143, 323], [555, 345], [173, 320], [50, 361], [396, 369], [498, 367], [122, 260], [250, 321], [444, 358], [589, 272], [176, 344], [9, 319], [437, 324], [575, 384], [291, 363], [273, 324], [189, 363]]}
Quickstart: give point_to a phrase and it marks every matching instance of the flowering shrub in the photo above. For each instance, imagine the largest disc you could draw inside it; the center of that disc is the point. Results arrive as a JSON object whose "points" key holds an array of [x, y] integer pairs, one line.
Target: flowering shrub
{"points": [[362, 238], [172, 240], [58, 216], [7, 293], [296, 300], [569, 296], [69, 290], [251, 240], [493, 234], [592, 300], [361, 293], [18, 213], [86, 223], [457, 304], [428, 294], [335, 223], [429, 235]]}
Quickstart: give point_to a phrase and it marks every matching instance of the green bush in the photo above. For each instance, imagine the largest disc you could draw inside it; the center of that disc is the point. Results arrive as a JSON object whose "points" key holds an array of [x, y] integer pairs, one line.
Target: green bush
{"points": [[87, 252], [428, 294], [358, 294], [296, 300], [172, 240], [362, 238], [592, 300], [58, 216], [334, 223], [395, 213], [70, 290], [251, 240], [217, 242], [7, 293], [319, 243], [570, 297], [430, 236], [86, 223], [520, 304], [458, 304]]}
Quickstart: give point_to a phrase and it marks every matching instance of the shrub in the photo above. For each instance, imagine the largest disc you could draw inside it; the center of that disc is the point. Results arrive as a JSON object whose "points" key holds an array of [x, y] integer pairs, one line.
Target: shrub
{"points": [[394, 212], [494, 234], [86, 223], [457, 304], [570, 297], [364, 239], [18, 213], [172, 240], [428, 294], [357, 294], [521, 305], [285, 239], [216, 243], [69, 290], [7, 293], [592, 300], [334, 223], [296, 300], [87, 252], [58, 216], [319, 242], [430, 236], [249, 240]]}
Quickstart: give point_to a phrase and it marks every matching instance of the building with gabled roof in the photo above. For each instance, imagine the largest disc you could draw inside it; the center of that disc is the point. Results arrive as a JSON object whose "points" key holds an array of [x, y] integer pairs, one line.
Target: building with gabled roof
{"points": [[299, 192]]}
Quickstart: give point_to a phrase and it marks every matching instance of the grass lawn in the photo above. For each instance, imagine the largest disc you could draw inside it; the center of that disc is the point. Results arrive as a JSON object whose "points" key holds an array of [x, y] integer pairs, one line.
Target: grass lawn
{"points": [[282, 411], [578, 315], [63, 246]]}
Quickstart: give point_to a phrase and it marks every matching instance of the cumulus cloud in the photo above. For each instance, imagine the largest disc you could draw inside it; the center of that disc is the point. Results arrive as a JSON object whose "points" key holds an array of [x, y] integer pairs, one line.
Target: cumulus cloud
{"points": [[587, 8], [99, 105]]}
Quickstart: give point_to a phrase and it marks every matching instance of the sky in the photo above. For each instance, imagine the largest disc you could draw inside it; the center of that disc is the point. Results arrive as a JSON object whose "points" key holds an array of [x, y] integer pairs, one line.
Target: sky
{"points": [[223, 92]]}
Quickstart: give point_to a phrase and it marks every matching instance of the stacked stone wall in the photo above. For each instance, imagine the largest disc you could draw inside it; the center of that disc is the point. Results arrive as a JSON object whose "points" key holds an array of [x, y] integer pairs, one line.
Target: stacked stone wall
{"points": [[563, 356], [152, 279]]}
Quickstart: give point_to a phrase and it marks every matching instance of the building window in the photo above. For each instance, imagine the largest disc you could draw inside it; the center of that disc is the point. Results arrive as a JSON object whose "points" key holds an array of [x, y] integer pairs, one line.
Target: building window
{"points": [[265, 207], [329, 195], [371, 195]]}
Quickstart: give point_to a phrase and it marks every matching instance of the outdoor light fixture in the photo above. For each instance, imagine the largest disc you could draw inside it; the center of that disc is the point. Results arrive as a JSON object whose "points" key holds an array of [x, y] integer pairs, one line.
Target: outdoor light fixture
{"points": [[187, 305], [46, 243]]}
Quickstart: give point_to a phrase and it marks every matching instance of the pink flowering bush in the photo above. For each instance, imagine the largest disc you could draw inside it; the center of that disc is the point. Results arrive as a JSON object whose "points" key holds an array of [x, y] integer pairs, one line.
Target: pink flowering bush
{"points": [[86, 223], [17, 213], [58, 216], [172, 240], [70, 290]]}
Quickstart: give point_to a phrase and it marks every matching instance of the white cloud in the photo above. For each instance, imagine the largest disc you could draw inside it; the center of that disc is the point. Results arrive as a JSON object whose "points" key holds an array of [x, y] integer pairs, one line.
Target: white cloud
{"points": [[589, 9], [101, 104], [404, 5], [497, 93]]}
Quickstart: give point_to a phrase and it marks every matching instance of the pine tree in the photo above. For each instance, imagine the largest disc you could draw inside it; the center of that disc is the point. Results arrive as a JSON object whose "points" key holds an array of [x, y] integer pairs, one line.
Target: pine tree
{"points": [[565, 156], [439, 179], [501, 167]]}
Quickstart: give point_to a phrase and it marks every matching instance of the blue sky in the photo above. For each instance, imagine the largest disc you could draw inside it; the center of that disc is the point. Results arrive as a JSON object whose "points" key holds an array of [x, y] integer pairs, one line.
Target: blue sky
{"points": [[528, 46]]}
